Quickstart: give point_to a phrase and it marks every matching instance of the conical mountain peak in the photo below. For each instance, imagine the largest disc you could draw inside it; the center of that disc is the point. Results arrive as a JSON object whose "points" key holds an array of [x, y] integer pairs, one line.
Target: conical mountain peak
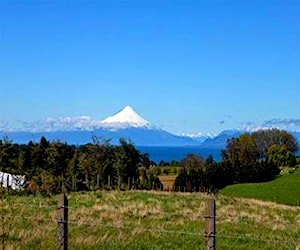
{"points": [[128, 109], [127, 117]]}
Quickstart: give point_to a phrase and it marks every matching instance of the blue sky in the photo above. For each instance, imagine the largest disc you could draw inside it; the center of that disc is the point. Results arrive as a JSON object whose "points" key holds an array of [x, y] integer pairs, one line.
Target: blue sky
{"points": [[186, 66]]}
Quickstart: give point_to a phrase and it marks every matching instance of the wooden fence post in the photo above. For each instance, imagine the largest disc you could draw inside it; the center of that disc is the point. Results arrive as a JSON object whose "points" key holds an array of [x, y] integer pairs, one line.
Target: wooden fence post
{"points": [[62, 236], [132, 186], [7, 182], [98, 182], [210, 224], [73, 183]]}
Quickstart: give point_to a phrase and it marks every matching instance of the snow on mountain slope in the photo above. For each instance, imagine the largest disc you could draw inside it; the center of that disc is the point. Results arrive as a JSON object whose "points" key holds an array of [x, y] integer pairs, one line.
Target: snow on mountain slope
{"points": [[290, 125], [200, 137], [127, 117], [54, 124]]}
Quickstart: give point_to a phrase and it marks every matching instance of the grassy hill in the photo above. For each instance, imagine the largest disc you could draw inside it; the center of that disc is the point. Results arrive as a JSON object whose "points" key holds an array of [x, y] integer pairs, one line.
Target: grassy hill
{"points": [[147, 220], [285, 189]]}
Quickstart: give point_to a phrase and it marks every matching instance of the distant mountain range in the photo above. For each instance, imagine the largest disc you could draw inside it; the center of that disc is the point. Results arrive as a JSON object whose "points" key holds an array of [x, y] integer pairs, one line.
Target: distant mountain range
{"points": [[125, 124], [220, 140], [139, 136], [130, 125]]}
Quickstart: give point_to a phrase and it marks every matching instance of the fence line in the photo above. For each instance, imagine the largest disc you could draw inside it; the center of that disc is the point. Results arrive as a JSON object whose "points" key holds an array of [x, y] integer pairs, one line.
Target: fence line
{"points": [[31, 217], [32, 206], [62, 234], [80, 223], [208, 215], [73, 207]]}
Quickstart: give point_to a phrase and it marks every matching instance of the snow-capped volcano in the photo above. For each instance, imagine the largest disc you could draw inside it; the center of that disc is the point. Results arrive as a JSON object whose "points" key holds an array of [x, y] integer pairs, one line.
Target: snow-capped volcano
{"points": [[127, 117], [79, 130]]}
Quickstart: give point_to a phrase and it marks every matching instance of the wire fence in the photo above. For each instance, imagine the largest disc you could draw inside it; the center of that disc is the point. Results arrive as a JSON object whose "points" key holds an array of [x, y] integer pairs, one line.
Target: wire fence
{"points": [[81, 223], [42, 215]]}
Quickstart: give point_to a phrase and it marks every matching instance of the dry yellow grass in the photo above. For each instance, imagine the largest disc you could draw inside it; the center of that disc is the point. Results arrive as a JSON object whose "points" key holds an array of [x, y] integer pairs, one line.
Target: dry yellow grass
{"points": [[116, 220], [265, 214], [269, 204]]}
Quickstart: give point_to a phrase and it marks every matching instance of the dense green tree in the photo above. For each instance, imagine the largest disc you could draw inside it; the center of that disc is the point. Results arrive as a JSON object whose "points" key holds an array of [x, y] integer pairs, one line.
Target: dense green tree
{"points": [[258, 156], [145, 161], [127, 161], [280, 156], [86, 163], [182, 181], [191, 176], [50, 167], [264, 139], [192, 161], [5, 155]]}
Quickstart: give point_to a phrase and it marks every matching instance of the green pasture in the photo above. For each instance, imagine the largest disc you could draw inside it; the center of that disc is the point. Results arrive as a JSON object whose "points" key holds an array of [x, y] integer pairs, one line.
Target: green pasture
{"points": [[147, 220], [285, 189]]}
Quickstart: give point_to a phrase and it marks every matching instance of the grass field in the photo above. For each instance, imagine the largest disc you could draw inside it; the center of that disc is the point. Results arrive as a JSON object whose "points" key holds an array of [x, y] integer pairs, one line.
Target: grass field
{"points": [[147, 220], [285, 189]]}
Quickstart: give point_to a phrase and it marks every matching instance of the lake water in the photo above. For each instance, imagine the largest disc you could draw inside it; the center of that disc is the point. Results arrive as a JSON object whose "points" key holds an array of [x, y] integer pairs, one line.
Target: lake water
{"points": [[178, 153]]}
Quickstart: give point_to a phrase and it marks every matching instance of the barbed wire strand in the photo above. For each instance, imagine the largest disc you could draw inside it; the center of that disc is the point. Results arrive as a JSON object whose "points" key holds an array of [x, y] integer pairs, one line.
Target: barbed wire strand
{"points": [[32, 206], [247, 237], [79, 223], [136, 212], [32, 218], [133, 226]]}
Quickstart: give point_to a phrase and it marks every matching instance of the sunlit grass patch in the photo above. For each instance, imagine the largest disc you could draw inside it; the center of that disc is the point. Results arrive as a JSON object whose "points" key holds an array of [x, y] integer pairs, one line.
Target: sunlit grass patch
{"points": [[284, 190], [150, 220]]}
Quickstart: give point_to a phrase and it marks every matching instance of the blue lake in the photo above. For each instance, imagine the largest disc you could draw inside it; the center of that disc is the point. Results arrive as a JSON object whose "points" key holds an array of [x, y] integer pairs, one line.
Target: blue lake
{"points": [[178, 153]]}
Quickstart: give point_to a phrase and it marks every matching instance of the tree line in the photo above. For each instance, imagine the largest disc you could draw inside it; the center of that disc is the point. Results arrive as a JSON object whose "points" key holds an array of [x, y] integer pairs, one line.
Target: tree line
{"points": [[52, 167], [255, 157]]}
